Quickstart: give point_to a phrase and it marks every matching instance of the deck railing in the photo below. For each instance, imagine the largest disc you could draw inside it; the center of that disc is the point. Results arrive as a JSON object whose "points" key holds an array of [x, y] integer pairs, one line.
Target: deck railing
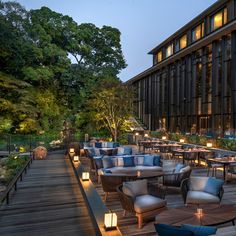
{"points": [[13, 184]]}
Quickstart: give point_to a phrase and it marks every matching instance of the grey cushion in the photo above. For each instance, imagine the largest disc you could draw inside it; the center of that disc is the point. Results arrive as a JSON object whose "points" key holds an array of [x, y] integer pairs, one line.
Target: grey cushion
{"points": [[198, 183], [147, 202], [107, 162], [199, 197], [120, 161], [133, 169], [138, 160], [135, 188], [184, 169]]}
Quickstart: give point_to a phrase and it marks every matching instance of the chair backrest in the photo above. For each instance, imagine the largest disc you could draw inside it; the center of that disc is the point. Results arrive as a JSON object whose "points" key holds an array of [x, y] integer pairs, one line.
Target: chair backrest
{"points": [[197, 183], [110, 182]]}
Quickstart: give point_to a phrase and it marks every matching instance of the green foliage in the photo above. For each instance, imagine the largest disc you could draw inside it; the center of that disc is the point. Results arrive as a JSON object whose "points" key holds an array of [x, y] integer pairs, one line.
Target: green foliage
{"points": [[226, 144], [111, 107], [11, 166], [35, 68]]}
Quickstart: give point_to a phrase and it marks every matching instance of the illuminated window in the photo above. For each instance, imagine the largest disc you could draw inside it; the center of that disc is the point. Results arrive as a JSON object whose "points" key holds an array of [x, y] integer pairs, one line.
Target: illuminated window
{"points": [[169, 50], [198, 32], [219, 19], [159, 56], [183, 42]]}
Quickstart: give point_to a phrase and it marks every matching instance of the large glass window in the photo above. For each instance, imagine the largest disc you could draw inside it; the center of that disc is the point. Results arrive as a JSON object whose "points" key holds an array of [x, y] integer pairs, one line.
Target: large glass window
{"points": [[183, 42], [198, 32], [169, 50], [219, 19], [159, 56]]}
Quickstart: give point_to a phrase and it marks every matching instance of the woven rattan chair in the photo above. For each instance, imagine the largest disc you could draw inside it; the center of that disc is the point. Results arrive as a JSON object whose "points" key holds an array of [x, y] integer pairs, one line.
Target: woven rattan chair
{"points": [[129, 203]]}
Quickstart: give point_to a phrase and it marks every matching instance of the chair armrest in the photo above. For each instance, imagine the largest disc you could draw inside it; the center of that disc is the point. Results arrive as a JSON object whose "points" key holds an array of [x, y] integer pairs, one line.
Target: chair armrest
{"points": [[184, 189], [221, 193], [127, 202], [156, 190]]}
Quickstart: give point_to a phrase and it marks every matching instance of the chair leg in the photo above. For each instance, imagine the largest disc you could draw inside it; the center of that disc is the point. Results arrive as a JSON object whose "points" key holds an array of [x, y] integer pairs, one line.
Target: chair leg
{"points": [[124, 213], [208, 171], [140, 221], [106, 195]]}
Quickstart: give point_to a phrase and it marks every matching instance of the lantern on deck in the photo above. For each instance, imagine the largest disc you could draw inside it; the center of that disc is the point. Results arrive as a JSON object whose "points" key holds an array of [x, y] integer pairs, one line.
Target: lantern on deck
{"points": [[85, 176], [110, 221]]}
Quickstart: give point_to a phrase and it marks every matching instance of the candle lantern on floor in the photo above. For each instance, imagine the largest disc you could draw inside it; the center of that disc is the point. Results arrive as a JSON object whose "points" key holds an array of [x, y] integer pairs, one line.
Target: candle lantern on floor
{"points": [[110, 221]]}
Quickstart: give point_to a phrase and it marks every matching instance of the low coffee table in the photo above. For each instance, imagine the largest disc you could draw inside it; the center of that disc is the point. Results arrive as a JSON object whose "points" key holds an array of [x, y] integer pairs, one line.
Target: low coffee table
{"points": [[212, 215]]}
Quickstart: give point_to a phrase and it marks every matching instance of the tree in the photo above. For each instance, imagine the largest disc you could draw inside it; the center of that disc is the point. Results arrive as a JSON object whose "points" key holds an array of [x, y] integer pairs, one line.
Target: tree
{"points": [[112, 106]]}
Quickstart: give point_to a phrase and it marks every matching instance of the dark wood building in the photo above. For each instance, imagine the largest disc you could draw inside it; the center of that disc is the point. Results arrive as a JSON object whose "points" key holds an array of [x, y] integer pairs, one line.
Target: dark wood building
{"points": [[191, 86]]}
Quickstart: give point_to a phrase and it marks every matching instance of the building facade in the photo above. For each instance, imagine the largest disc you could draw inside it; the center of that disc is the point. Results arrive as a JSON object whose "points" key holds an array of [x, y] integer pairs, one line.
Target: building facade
{"points": [[191, 86]]}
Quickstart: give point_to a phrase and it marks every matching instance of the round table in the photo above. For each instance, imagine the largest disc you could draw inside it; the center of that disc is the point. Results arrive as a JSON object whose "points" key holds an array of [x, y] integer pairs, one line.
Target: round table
{"points": [[212, 215]]}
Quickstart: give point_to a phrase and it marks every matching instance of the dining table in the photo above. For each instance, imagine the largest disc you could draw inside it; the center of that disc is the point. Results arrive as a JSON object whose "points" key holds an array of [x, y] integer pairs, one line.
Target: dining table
{"points": [[225, 161], [185, 152]]}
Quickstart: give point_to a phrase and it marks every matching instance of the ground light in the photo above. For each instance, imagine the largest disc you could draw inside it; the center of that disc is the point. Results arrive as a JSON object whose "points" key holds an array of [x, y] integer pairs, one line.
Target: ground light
{"points": [[209, 145], [85, 176], [110, 221], [76, 158]]}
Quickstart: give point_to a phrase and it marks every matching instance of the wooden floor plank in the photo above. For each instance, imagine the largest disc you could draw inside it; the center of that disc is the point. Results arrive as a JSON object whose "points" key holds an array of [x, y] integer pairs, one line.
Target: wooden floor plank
{"points": [[48, 202]]}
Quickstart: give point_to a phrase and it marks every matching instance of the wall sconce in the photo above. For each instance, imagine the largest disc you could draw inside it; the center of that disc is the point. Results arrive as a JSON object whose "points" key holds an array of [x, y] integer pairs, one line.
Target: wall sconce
{"points": [[85, 176], [76, 158], [110, 221], [181, 140], [72, 150], [136, 134], [163, 137], [209, 145], [145, 135]]}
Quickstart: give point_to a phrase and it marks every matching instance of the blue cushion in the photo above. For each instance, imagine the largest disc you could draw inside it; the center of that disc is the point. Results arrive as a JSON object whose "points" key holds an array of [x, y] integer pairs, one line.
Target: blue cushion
{"points": [[116, 144], [148, 160], [107, 162], [103, 152], [127, 151], [213, 186], [98, 162], [157, 160], [128, 161], [179, 167], [98, 145], [167, 230], [110, 144], [114, 151], [200, 230], [107, 171]]}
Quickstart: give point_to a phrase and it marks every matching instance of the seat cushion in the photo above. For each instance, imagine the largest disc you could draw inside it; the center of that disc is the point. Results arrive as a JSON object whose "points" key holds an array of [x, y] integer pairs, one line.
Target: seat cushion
{"points": [[157, 160], [135, 188], [147, 202], [185, 169], [200, 197], [178, 167], [148, 160], [200, 230], [98, 144], [198, 183], [107, 162], [213, 186], [98, 162], [167, 230], [128, 161]]}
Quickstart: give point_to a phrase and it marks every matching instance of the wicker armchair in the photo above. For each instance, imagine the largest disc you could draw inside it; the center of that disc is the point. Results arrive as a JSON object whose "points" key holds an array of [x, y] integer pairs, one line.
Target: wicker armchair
{"points": [[110, 182], [129, 204], [175, 179], [193, 192]]}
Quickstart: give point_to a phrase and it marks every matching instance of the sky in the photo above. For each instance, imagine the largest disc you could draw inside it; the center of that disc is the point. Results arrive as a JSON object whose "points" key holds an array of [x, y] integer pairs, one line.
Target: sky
{"points": [[143, 23]]}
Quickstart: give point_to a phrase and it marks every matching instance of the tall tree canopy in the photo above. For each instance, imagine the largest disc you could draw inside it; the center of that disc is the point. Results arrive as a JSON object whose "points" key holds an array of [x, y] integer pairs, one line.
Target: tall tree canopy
{"points": [[39, 86]]}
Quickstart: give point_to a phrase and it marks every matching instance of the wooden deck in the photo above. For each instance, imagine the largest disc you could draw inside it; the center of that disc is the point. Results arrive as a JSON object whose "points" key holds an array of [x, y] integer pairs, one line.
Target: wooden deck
{"points": [[48, 202], [128, 224]]}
